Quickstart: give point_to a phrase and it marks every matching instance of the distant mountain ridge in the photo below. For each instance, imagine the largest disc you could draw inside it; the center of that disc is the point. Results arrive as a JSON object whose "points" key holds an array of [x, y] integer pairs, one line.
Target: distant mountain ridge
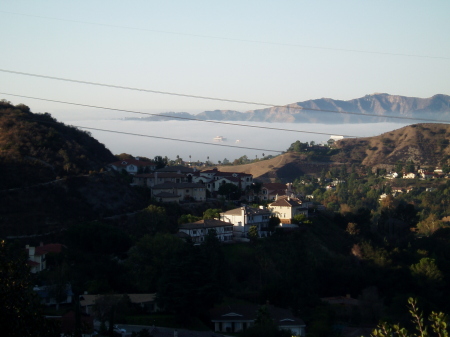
{"points": [[381, 104]]}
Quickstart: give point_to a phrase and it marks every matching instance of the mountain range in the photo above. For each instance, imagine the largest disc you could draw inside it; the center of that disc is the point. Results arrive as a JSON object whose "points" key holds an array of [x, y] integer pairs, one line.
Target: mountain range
{"points": [[378, 107]]}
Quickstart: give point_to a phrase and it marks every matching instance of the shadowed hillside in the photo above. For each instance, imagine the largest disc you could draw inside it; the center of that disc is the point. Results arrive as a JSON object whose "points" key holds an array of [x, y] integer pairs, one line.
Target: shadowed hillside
{"points": [[35, 148]]}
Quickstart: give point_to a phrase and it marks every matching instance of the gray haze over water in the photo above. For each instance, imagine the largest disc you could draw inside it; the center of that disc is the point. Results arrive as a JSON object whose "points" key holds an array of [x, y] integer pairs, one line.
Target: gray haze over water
{"points": [[268, 141]]}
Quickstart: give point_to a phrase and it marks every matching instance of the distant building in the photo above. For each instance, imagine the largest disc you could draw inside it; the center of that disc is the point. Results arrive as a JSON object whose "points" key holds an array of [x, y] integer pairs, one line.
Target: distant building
{"points": [[242, 218], [37, 255], [199, 230], [132, 166]]}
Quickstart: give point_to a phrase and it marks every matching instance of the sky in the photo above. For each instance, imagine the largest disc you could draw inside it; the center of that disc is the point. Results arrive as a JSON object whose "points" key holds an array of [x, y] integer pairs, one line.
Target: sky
{"points": [[271, 52]]}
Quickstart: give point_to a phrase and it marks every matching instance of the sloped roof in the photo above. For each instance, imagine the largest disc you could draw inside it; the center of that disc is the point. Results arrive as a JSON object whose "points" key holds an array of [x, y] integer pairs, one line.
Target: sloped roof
{"points": [[285, 202], [177, 185], [209, 223], [160, 175], [248, 312], [87, 300], [248, 211], [49, 248], [176, 168], [125, 163]]}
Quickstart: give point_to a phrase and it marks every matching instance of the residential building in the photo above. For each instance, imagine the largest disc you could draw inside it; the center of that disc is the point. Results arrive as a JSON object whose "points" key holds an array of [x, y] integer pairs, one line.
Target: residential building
{"points": [[199, 230], [155, 178], [37, 255], [236, 318], [244, 217], [179, 192], [144, 301], [270, 191], [132, 166], [286, 208]]}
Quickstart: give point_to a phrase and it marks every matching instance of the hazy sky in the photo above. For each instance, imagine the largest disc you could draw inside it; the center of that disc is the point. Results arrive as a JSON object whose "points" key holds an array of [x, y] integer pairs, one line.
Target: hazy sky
{"points": [[275, 52]]}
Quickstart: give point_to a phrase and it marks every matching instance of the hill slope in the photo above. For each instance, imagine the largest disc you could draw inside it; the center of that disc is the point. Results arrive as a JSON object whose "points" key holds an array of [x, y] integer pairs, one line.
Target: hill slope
{"points": [[424, 144], [35, 148]]}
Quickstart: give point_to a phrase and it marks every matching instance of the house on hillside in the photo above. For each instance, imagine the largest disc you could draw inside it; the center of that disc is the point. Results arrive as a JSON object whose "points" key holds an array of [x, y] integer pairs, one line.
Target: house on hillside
{"points": [[143, 301], [177, 192], [213, 179], [155, 178], [37, 255], [132, 166], [236, 318], [286, 208], [199, 230], [242, 218], [270, 191]]}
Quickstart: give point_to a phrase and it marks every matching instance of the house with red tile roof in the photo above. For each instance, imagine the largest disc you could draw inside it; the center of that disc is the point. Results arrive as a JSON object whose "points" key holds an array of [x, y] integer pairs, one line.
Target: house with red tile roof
{"points": [[37, 255], [132, 166]]}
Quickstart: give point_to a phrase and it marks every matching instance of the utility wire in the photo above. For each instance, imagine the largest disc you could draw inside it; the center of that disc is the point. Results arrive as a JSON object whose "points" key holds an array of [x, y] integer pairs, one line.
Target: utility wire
{"points": [[216, 98], [231, 39], [158, 137], [173, 117]]}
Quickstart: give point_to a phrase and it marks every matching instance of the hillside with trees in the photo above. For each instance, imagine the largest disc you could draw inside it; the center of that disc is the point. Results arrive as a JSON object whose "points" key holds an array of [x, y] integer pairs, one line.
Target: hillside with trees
{"points": [[35, 148]]}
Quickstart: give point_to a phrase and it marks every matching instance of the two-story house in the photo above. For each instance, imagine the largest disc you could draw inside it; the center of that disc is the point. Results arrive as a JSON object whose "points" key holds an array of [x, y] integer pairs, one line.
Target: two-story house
{"points": [[132, 166], [155, 178], [179, 192], [199, 230], [37, 255], [285, 208], [244, 217]]}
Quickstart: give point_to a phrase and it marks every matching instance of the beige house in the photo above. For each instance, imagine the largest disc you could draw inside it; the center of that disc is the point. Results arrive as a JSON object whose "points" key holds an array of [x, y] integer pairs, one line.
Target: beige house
{"points": [[155, 178], [285, 208], [179, 192], [199, 230]]}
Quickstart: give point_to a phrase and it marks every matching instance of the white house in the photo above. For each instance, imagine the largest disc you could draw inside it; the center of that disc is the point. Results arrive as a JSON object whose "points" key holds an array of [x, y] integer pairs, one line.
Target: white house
{"points": [[199, 230], [286, 208], [244, 217], [236, 318]]}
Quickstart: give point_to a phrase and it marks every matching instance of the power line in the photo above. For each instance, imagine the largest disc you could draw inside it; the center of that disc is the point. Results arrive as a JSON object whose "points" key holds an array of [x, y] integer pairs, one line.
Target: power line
{"points": [[164, 138], [231, 39], [217, 98], [173, 117]]}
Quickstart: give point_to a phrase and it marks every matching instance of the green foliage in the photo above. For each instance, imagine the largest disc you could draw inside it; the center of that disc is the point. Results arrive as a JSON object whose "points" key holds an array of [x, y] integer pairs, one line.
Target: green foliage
{"points": [[148, 258], [188, 218], [230, 191], [152, 220], [264, 326], [20, 313], [212, 213], [436, 325], [426, 273]]}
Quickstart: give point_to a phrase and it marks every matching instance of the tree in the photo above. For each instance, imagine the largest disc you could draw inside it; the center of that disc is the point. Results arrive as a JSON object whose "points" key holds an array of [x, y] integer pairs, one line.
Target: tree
{"points": [[253, 233], [426, 273], [264, 326], [230, 191], [212, 213], [436, 326], [149, 257], [429, 225], [160, 162], [20, 314]]}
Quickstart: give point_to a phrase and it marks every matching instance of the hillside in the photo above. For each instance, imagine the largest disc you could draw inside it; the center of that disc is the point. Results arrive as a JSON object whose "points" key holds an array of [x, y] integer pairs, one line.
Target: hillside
{"points": [[436, 107], [424, 144], [48, 178], [285, 167], [35, 148]]}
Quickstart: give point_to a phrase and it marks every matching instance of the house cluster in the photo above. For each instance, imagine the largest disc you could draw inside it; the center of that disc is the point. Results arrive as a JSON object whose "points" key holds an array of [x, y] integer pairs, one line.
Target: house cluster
{"points": [[179, 183], [420, 174], [235, 224]]}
